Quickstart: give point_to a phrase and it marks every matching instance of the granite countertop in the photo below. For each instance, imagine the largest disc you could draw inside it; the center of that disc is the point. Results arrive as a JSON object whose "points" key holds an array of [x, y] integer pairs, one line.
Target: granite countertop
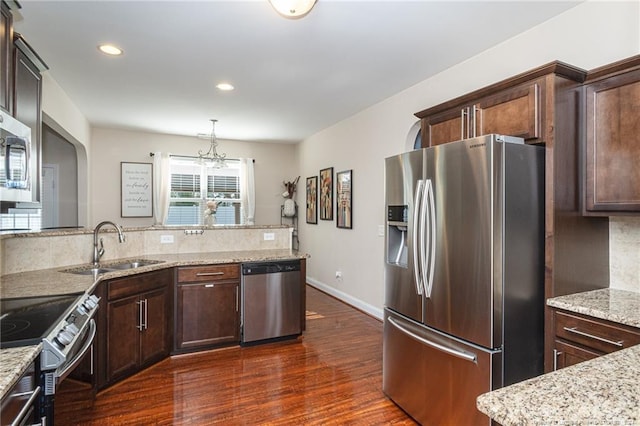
{"points": [[619, 306], [14, 362], [46, 282], [53, 281], [601, 391]]}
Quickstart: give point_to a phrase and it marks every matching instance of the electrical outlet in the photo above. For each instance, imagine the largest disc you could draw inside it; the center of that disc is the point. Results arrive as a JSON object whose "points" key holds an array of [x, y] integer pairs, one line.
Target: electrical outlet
{"points": [[269, 236], [380, 230], [338, 275], [166, 239]]}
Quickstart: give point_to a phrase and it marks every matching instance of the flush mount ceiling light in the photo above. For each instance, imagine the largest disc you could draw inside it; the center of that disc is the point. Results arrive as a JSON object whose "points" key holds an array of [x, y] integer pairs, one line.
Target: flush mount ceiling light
{"points": [[211, 156], [293, 9], [225, 87], [110, 49]]}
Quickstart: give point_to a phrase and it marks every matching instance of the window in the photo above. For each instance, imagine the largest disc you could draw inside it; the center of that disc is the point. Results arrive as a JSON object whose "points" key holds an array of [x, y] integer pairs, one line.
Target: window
{"points": [[193, 184]]}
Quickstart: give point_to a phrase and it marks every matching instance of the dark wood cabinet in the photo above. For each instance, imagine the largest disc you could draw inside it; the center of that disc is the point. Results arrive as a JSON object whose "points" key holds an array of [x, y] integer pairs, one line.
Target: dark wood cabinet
{"points": [[27, 100], [580, 338], [514, 110], [6, 50], [138, 331], [207, 306], [612, 172]]}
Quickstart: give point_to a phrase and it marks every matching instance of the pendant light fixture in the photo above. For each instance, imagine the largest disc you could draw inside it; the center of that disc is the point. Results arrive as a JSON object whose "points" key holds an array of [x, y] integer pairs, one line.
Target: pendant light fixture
{"points": [[211, 156], [293, 9]]}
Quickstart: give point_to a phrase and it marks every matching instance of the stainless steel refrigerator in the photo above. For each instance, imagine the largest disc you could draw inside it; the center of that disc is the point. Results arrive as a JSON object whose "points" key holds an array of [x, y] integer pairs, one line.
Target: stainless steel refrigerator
{"points": [[464, 275]]}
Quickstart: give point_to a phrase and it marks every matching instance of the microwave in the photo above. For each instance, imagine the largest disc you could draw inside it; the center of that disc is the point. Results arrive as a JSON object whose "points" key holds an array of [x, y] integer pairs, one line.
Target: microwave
{"points": [[15, 160]]}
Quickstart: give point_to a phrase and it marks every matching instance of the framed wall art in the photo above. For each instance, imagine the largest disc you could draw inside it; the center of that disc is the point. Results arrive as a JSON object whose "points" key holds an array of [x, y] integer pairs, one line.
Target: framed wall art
{"points": [[344, 193], [136, 180], [326, 194], [312, 199]]}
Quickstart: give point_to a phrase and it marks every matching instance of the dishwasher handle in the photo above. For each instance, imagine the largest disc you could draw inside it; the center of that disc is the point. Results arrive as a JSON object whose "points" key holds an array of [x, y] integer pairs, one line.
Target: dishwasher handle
{"points": [[261, 268]]}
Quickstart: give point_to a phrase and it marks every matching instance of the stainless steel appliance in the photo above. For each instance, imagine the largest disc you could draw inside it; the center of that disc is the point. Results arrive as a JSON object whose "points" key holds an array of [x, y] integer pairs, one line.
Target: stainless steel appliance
{"points": [[271, 300], [64, 325], [464, 275], [16, 163]]}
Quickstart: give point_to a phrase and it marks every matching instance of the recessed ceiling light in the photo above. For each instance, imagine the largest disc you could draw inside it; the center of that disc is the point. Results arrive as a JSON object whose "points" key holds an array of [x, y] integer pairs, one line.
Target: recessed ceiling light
{"points": [[110, 49], [225, 86]]}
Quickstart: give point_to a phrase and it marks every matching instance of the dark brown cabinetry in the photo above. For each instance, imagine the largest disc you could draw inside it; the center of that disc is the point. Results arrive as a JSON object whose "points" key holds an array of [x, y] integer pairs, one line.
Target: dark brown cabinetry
{"points": [[27, 99], [579, 338], [612, 174], [6, 49], [543, 107], [137, 325], [207, 306], [515, 111]]}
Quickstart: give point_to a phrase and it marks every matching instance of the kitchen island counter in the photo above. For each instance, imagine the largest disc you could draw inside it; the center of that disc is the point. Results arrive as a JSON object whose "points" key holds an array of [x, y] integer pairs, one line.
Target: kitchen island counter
{"points": [[53, 281], [604, 390], [601, 391], [48, 282]]}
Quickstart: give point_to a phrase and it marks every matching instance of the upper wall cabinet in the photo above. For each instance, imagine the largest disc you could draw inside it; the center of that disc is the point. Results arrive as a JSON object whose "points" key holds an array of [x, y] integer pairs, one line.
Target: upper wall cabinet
{"points": [[6, 47], [515, 107], [612, 171]]}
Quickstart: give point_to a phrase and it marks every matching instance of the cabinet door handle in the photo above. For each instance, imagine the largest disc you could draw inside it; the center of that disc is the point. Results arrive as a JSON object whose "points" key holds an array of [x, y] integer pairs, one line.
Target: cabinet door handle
{"points": [[208, 274], [146, 314], [139, 326], [556, 354], [575, 330], [209, 285], [237, 299]]}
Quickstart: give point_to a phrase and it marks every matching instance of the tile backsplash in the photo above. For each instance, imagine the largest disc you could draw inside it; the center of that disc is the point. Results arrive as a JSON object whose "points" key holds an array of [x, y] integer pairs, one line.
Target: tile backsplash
{"points": [[33, 252], [624, 253]]}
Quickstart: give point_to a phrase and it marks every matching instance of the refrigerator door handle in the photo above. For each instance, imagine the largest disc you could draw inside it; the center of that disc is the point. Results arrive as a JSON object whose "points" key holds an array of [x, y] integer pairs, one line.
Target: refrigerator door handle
{"points": [[430, 254], [417, 249], [424, 235], [467, 356]]}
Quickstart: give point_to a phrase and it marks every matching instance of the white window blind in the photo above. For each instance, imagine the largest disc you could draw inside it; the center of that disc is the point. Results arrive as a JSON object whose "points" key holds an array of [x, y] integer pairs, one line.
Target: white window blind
{"points": [[193, 184]]}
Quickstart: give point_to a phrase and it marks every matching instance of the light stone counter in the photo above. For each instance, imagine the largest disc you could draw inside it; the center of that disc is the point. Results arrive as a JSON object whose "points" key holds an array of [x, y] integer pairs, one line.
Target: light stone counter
{"points": [[601, 391], [14, 362], [619, 306], [53, 282]]}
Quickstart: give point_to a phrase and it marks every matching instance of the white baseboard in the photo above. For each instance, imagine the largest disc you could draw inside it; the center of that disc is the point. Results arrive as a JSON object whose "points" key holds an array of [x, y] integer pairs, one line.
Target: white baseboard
{"points": [[346, 298]]}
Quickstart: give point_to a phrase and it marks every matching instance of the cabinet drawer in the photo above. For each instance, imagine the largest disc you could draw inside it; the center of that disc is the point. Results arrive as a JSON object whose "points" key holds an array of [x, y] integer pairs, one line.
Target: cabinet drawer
{"points": [[136, 284], [595, 334], [209, 273]]}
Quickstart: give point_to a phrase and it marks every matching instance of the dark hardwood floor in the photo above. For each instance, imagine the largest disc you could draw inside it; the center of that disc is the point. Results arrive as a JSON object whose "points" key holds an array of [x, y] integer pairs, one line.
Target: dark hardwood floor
{"points": [[332, 375]]}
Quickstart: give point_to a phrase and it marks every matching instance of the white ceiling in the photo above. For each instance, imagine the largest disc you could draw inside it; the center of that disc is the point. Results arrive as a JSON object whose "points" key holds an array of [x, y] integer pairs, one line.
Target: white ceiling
{"points": [[292, 77]]}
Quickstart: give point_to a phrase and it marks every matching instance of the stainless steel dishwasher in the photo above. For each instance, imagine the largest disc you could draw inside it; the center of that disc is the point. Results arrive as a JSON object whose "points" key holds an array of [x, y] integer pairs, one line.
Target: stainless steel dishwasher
{"points": [[271, 300]]}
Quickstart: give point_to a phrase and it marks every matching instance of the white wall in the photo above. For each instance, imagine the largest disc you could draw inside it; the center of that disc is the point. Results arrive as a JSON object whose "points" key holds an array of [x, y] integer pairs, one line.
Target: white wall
{"points": [[274, 164], [589, 35]]}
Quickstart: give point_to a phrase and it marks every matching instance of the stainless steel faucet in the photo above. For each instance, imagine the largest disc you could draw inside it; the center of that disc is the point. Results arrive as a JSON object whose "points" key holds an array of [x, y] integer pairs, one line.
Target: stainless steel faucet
{"points": [[98, 252]]}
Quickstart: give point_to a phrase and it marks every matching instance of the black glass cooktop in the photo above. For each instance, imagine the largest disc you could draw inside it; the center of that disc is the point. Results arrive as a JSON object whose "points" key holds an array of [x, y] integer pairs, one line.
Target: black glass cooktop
{"points": [[26, 321]]}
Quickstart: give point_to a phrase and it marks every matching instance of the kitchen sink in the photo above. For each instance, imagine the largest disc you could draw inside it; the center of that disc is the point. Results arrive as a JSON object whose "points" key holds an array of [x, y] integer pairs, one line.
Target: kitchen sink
{"points": [[131, 264], [117, 266], [87, 271]]}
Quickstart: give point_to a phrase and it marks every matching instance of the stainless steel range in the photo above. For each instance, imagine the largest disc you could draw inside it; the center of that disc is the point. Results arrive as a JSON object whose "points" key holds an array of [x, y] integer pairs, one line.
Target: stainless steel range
{"points": [[64, 325]]}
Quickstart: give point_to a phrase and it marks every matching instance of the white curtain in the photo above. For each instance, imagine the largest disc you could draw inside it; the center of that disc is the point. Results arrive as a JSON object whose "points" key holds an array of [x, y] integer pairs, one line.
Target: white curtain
{"points": [[247, 191], [161, 186]]}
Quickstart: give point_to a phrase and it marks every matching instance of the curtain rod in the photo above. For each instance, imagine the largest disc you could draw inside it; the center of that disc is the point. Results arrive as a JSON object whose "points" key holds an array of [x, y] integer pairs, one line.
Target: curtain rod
{"points": [[151, 154]]}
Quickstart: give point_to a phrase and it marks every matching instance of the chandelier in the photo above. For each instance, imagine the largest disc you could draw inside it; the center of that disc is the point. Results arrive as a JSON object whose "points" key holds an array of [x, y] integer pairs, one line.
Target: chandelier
{"points": [[293, 9], [211, 156]]}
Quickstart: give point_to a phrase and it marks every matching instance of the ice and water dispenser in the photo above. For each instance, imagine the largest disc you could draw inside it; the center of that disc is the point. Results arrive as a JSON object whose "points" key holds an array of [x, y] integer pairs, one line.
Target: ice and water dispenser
{"points": [[397, 235]]}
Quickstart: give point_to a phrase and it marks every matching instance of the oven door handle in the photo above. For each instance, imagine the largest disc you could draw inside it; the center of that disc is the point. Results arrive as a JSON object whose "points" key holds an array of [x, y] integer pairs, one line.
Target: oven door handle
{"points": [[85, 347]]}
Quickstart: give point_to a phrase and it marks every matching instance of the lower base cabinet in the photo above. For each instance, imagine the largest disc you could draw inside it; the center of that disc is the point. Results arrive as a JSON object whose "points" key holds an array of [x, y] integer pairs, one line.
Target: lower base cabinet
{"points": [[580, 338], [137, 323], [207, 307]]}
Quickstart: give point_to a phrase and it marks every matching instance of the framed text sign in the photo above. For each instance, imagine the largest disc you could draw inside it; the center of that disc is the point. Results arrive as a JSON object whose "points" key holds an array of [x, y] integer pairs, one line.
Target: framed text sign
{"points": [[136, 189]]}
